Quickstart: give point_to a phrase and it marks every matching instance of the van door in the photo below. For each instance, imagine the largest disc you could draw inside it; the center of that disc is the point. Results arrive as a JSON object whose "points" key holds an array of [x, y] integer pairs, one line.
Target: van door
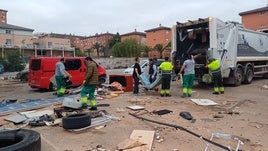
{"points": [[76, 67]]}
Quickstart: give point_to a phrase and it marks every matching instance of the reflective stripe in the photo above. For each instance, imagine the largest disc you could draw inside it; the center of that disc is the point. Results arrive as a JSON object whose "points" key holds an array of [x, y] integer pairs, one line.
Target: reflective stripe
{"points": [[167, 91], [221, 89], [83, 99], [190, 91], [184, 90], [162, 92], [216, 89], [93, 103]]}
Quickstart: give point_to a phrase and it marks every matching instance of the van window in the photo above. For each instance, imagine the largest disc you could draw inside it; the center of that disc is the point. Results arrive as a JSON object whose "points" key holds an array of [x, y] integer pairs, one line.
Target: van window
{"points": [[73, 64], [36, 64]]}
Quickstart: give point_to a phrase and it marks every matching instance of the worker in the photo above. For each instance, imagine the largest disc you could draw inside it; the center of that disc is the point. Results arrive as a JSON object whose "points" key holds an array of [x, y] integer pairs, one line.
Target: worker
{"points": [[152, 70], [60, 75], [215, 69], [166, 69], [135, 74], [188, 68], [89, 84]]}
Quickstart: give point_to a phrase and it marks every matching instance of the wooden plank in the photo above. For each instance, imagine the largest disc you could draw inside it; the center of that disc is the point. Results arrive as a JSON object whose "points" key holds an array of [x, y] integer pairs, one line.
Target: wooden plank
{"points": [[143, 136]]}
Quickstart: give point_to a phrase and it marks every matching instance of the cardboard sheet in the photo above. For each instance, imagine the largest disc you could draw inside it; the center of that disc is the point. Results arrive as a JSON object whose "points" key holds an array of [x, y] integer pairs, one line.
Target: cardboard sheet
{"points": [[204, 102]]}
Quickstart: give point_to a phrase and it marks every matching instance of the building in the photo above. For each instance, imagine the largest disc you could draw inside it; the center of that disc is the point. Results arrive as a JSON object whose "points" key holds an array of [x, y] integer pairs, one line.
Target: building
{"points": [[256, 19], [3, 16], [15, 37], [139, 36], [94, 45], [52, 45], [160, 35]]}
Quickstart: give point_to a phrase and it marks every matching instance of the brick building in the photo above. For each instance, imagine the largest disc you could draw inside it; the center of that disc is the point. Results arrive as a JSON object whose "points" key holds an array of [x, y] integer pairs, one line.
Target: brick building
{"points": [[3, 16], [87, 44], [139, 36], [159, 35], [256, 19]]}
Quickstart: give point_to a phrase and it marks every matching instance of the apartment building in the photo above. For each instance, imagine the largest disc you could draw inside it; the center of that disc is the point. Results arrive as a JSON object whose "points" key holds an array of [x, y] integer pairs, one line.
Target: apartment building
{"points": [[52, 45], [139, 36], [159, 35], [3, 16], [256, 19], [88, 44], [12, 36]]}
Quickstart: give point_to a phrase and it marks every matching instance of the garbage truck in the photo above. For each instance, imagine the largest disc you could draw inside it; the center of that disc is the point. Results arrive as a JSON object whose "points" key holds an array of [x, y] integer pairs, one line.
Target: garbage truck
{"points": [[243, 53]]}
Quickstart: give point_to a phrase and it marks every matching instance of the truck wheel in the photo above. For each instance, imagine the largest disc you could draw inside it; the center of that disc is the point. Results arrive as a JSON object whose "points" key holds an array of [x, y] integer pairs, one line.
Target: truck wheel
{"points": [[76, 121], [238, 76], [52, 87], [22, 140], [249, 75]]}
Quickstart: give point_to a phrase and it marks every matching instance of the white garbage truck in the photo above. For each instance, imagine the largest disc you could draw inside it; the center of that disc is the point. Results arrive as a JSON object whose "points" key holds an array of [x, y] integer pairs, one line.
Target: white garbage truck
{"points": [[243, 53]]}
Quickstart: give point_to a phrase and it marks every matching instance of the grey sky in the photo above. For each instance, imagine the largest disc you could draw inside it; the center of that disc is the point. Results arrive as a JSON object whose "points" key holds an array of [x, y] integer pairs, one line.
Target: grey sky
{"points": [[87, 17]]}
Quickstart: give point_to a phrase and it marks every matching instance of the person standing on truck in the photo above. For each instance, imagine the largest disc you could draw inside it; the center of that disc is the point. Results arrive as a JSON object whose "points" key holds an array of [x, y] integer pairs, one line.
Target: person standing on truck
{"points": [[152, 70], [215, 69], [135, 74], [166, 69], [89, 84], [189, 74], [60, 74]]}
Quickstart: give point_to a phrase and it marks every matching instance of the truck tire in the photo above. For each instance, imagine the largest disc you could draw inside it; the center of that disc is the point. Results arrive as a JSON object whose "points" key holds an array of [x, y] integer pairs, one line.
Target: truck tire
{"points": [[238, 76], [76, 121], [20, 140], [248, 75]]}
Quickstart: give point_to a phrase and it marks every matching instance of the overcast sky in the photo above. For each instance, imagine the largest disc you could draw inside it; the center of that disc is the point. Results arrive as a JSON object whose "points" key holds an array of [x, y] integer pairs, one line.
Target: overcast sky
{"points": [[87, 17]]}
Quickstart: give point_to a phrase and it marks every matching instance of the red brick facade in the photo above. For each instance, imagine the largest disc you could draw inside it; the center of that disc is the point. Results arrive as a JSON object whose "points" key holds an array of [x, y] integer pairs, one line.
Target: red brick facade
{"points": [[139, 36], [256, 19], [159, 35], [3, 16]]}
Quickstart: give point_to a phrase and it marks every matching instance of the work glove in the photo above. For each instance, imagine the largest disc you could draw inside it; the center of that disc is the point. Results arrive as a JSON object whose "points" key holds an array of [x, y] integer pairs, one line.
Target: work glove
{"points": [[84, 81], [152, 77]]}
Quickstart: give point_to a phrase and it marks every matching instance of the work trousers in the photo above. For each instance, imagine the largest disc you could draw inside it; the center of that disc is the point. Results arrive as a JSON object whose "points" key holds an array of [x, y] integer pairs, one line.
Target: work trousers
{"points": [[217, 81], [61, 85], [187, 86], [88, 90], [136, 85], [165, 85]]}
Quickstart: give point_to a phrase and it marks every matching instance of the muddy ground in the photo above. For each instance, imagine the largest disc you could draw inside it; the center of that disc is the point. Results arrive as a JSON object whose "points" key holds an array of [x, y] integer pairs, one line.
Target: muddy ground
{"points": [[247, 119]]}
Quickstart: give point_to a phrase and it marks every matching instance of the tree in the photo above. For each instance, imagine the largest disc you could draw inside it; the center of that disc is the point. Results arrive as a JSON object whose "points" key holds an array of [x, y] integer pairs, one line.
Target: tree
{"points": [[98, 47], [127, 48], [79, 53], [13, 61], [160, 48], [116, 38]]}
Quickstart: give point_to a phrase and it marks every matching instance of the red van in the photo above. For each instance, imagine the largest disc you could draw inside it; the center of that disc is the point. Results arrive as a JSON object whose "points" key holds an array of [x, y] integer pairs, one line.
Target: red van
{"points": [[41, 69]]}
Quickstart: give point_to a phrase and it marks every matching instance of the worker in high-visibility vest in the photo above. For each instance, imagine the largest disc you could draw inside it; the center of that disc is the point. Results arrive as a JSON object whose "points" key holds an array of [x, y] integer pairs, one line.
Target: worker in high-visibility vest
{"points": [[215, 69], [166, 69]]}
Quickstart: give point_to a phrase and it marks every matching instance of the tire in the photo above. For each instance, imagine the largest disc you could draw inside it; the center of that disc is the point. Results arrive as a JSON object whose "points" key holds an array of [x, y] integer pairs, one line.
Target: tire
{"points": [[76, 121], [20, 140], [52, 87], [238, 76], [248, 75], [102, 80]]}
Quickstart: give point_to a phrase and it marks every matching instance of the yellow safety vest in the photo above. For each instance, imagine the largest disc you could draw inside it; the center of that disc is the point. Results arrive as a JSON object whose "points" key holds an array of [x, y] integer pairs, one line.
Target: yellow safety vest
{"points": [[214, 65]]}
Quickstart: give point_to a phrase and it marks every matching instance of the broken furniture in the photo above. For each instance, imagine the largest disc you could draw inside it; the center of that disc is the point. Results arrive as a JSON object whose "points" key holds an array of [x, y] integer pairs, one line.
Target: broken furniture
{"points": [[125, 80], [144, 78]]}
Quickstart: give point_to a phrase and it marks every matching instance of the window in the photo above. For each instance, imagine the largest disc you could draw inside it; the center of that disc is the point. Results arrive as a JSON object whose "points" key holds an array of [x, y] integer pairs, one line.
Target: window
{"points": [[261, 13], [8, 31], [262, 26], [72, 64], [8, 42], [49, 44]]}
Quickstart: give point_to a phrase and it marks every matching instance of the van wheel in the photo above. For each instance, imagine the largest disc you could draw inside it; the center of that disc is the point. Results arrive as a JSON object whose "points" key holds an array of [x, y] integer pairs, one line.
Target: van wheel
{"points": [[22, 140], [102, 80], [52, 87]]}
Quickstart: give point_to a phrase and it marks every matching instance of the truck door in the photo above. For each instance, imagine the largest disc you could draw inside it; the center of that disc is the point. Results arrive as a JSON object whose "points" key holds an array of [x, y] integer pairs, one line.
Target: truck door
{"points": [[226, 48]]}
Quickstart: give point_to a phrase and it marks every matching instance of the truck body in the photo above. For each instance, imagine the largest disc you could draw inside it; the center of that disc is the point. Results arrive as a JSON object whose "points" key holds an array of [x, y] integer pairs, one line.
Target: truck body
{"points": [[243, 53]]}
